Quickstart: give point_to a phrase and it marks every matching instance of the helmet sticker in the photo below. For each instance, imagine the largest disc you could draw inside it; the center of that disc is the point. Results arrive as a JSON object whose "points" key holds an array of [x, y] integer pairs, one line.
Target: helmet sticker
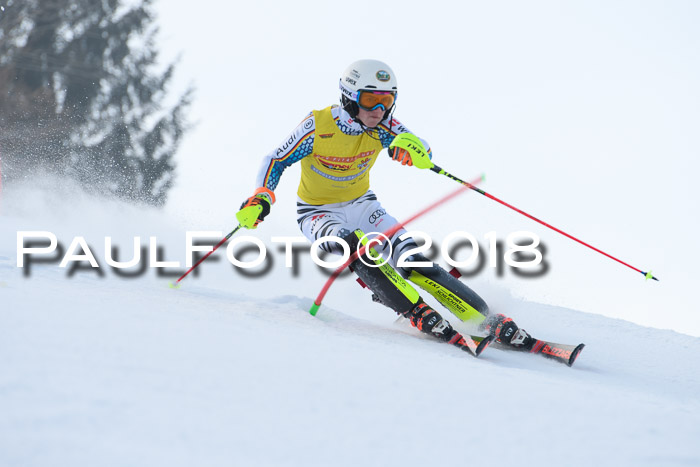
{"points": [[383, 76], [346, 91]]}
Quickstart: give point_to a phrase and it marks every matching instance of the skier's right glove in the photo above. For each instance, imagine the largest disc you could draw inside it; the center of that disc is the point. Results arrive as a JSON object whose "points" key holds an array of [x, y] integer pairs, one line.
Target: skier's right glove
{"points": [[254, 209]]}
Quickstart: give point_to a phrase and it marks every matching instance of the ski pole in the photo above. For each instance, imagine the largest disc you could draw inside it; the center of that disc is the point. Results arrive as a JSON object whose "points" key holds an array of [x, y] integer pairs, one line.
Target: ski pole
{"points": [[441, 171], [176, 284], [388, 233]]}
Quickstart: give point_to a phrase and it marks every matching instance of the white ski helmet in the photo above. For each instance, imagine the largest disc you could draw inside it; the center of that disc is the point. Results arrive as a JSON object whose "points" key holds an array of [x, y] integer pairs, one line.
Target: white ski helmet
{"points": [[365, 75]]}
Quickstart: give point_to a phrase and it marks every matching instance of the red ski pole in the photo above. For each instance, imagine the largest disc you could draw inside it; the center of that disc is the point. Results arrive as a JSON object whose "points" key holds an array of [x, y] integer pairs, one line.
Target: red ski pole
{"points": [[176, 284], [440, 171]]}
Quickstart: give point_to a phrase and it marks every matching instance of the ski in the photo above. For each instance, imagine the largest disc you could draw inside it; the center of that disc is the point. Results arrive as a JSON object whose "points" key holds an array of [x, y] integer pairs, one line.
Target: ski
{"points": [[562, 353], [475, 345]]}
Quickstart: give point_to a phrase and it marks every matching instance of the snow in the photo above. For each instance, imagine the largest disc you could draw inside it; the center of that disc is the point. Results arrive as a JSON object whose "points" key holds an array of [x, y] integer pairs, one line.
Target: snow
{"points": [[109, 371]]}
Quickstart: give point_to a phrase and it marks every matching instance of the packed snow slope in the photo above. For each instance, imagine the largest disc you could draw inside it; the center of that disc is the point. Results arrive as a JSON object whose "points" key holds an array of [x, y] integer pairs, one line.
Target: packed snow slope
{"points": [[113, 372]]}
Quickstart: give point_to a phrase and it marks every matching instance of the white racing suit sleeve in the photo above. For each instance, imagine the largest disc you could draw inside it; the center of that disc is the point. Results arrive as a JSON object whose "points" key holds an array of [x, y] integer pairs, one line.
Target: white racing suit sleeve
{"points": [[294, 148]]}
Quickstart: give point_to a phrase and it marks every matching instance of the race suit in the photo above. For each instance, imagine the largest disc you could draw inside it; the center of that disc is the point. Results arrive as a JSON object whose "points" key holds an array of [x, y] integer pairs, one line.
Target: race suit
{"points": [[334, 199], [337, 153]]}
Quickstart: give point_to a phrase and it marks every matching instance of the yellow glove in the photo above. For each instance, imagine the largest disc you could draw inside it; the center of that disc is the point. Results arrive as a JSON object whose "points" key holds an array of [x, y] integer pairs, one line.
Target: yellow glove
{"points": [[408, 149], [254, 209]]}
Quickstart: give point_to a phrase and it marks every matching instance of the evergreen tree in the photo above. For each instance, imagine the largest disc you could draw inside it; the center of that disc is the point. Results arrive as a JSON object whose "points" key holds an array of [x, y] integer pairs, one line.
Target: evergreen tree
{"points": [[81, 95]]}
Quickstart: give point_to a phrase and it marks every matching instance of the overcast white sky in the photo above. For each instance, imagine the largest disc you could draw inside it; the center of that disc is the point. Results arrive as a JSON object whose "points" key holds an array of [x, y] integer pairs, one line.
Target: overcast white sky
{"points": [[585, 114]]}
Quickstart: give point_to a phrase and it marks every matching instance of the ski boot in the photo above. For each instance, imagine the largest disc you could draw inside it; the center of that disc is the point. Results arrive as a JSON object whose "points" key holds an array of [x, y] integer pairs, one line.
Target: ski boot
{"points": [[507, 332], [429, 321]]}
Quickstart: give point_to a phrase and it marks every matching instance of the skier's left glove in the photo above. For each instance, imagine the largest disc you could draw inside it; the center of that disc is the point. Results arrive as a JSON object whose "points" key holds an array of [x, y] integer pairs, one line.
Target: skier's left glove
{"points": [[408, 149], [401, 155], [254, 209]]}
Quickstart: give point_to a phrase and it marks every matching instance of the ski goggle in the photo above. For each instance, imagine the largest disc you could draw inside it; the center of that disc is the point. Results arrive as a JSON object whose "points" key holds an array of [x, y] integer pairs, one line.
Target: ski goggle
{"points": [[371, 100]]}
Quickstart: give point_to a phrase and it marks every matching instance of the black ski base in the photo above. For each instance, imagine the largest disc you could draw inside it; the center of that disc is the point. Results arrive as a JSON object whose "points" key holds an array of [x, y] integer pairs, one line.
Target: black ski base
{"points": [[483, 344]]}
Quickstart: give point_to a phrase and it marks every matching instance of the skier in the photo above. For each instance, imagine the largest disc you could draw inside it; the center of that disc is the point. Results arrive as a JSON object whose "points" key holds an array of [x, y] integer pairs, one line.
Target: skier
{"points": [[337, 147]]}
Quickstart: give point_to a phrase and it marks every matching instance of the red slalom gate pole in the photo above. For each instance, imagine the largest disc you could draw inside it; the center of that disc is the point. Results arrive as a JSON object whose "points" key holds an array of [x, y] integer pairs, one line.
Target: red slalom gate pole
{"points": [[176, 284], [436, 169], [388, 233]]}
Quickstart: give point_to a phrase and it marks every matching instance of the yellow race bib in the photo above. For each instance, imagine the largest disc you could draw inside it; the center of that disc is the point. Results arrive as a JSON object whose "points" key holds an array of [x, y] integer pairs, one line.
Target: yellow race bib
{"points": [[338, 168]]}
